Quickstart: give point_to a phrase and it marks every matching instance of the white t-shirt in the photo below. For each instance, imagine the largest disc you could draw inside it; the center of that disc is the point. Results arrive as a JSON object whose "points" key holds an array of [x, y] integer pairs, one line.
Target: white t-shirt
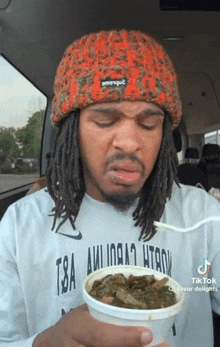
{"points": [[41, 272]]}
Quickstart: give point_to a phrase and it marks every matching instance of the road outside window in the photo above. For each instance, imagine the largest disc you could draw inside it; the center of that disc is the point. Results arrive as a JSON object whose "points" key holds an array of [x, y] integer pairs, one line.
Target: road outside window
{"points": [[22, 111]]}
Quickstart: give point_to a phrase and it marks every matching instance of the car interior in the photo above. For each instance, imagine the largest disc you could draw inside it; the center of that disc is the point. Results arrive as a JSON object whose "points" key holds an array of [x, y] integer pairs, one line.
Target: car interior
{"points": [[34, 35]]}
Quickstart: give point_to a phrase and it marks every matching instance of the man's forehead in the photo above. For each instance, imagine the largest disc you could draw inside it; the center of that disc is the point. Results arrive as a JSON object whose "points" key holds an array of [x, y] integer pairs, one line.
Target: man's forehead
{"points": [[126, 106]]}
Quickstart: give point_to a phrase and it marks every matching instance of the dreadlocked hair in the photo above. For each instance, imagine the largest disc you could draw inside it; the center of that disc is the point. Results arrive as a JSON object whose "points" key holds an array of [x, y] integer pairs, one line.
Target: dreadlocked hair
{"points": [[65, 180], [158, 187]]}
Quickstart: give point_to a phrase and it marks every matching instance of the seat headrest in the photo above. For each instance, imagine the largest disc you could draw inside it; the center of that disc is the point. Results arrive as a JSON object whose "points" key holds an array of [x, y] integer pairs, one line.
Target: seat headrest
{"points": [[192, 153], [211, 151]]}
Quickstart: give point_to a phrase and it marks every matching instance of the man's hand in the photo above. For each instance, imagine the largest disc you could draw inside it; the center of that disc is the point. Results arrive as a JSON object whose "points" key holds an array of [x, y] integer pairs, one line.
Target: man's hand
{"points": [[78, 329]]}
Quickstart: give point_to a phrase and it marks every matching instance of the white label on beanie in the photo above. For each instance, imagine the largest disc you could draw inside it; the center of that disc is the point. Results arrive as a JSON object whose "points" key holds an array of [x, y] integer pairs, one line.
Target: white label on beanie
{"points": [[114, 83]]}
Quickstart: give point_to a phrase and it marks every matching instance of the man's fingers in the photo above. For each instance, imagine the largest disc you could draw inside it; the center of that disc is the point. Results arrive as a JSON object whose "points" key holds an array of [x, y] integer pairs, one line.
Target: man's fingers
{"points": [[91, 332]]}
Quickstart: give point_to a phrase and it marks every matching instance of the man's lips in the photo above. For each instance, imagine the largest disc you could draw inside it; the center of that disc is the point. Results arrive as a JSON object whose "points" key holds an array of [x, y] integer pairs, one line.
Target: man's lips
{"points": [[125, 172], [125, 165], [124, 176]]}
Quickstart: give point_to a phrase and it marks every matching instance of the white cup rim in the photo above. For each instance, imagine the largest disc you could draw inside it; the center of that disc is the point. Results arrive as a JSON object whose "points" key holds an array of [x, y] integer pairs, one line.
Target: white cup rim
{"points": [[134, 314]]}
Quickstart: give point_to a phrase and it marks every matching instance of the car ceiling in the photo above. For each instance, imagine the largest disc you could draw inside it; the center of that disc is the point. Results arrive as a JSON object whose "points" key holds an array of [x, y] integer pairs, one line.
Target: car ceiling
{"points": [[34, 35]]}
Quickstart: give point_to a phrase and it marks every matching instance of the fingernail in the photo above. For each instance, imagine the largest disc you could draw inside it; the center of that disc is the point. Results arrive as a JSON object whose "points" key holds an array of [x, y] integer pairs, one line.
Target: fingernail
{"points": [[146, 337]]}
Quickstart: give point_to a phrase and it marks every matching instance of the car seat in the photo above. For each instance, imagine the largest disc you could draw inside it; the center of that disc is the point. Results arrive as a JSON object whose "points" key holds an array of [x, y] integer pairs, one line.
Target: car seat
{"points": [[189, 174], [210, 164]]}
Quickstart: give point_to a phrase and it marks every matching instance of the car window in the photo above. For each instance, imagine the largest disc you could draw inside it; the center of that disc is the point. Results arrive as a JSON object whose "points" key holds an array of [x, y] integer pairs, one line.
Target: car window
{"points": [[22, 111], [212, 137], [180, 157]]}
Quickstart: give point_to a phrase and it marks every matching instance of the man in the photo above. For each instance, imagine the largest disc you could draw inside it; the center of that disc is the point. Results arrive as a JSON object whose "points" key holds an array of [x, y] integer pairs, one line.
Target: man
{"points": [[112, 198]]}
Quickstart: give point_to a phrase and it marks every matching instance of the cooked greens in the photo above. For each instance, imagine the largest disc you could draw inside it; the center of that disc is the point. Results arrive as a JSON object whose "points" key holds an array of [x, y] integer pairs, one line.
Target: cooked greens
{"points": [[135, 292]]}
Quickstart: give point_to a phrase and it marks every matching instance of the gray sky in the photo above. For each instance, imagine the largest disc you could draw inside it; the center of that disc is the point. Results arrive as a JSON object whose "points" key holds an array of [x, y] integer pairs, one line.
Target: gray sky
{"points": [[19, 99]]}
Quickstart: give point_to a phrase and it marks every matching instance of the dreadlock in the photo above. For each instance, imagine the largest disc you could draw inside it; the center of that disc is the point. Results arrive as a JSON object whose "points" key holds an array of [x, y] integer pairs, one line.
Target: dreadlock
{"points": [[158, 187], [64, 174], [65, 180]]}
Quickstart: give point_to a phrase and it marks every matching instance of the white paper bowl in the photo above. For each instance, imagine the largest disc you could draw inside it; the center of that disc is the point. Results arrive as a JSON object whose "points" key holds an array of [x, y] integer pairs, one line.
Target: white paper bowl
{"points": [[159, 321]]}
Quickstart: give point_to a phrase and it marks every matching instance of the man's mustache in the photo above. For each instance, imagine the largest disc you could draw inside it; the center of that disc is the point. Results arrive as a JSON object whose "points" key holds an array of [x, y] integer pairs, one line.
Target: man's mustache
{"points": [[121, 156]]}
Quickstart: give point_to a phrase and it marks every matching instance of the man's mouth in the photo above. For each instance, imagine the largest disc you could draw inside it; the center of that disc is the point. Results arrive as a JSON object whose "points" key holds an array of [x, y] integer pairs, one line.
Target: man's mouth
{"points": [[125, 172], [124, 176]]}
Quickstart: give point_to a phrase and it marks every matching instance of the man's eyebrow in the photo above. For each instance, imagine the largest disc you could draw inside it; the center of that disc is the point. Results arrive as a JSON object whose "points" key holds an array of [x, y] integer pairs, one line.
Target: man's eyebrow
{"points": [[105, 110], [151, 113], [142, 113]]}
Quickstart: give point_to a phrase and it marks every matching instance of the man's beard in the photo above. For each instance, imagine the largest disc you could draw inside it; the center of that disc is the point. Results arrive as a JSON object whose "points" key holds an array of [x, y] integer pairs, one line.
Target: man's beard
{"points": [[121, 201]]}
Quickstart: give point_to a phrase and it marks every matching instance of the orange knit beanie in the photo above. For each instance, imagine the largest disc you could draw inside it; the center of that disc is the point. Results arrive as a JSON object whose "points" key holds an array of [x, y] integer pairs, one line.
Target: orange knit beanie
{"points": [[115, 66]]}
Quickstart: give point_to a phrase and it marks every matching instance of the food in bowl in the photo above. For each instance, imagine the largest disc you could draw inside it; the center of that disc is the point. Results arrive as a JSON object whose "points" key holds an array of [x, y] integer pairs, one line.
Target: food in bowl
{"points": [[135, 292]]}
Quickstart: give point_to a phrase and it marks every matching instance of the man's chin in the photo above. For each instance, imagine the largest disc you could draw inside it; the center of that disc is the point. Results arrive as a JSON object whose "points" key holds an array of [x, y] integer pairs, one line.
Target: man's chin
{"points": [[121, 201]]}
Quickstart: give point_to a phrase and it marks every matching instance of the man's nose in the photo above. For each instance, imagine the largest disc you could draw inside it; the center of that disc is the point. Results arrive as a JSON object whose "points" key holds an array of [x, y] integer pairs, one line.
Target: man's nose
{"points": [[127, 138]]}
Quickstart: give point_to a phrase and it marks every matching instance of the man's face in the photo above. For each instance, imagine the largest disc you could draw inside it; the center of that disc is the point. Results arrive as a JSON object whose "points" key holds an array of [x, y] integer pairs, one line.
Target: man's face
{"points": [[119, 144]]}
